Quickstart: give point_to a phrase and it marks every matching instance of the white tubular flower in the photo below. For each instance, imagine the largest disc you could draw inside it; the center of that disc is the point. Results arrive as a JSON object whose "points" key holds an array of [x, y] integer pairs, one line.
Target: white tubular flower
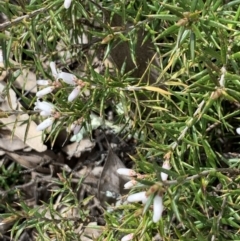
{"points": [[157, 208], [43, 82], [166, 165], [45, 124], [45, 113], [137, 197], [45, 91], [130, 184], [67, 3], [127, 237], [238, 130], [144, 200], [44, 106], [53, 69], [126, 172], [74, 93], [67, 78]]}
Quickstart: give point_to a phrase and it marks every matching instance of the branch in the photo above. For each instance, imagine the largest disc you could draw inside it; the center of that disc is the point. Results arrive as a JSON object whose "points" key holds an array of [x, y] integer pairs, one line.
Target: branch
{"points": [[203, 173], [9, 24]]}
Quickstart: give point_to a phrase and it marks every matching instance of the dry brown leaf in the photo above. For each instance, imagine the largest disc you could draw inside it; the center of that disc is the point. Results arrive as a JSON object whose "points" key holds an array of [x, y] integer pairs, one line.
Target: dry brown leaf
{"points": [[14, 122], [92, 230], [75, 149], [34, 138], [26, 81], [11, 144], [5, 106], [33, 159], [97, 171], [110, 180]]}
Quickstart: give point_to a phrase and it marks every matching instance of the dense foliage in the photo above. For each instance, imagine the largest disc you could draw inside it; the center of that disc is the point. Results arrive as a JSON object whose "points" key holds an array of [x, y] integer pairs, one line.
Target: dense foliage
{"points": [[169, 70]]}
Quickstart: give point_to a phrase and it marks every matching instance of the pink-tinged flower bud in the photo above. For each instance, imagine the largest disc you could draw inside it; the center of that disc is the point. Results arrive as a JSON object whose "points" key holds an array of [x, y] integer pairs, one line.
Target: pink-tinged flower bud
{"points": [[67, 78], [43, 82], [76, 129], [157, 208], [166, 165], [45, 124], [130, 184], [74, 93], [137, 197], [53, 69], [126, 172], [76, 126], [127, 237], [45, 91], [67, 3]]}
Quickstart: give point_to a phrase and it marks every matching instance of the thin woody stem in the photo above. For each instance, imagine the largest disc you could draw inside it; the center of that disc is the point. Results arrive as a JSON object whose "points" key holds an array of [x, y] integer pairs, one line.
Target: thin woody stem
{"points": [[203, 173], [18, 20], [190, 123]]}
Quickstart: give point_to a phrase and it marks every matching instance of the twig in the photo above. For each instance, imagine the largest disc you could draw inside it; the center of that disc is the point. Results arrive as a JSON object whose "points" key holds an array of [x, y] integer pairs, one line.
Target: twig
{"points": [[189, 124], [18, 20], [17, 187], [13, 112], [203, 173], [220, 216]]}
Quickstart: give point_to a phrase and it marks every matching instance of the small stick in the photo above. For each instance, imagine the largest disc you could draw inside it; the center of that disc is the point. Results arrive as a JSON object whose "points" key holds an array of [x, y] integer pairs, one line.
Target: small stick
{"points": [[18, 20]]}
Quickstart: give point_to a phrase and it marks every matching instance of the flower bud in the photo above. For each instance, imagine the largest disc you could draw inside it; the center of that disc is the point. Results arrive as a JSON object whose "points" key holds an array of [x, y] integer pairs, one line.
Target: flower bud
{"points": [[45, 124], [126, 172], [73, 125], [157, 208], [130, 184], [137, 197], [45, 113], [67, 3], [145, 199], [67, 78], [74, 93], [166, 165], [238, 130], [43, 82], [53, 69], [76, 129], [127, 237], [45, 91], [44, 106]]}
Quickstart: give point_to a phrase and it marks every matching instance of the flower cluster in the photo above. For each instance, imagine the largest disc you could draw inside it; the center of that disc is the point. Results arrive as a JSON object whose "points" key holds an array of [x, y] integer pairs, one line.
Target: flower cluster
{"points": [[145, 195], [48, 109]]}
